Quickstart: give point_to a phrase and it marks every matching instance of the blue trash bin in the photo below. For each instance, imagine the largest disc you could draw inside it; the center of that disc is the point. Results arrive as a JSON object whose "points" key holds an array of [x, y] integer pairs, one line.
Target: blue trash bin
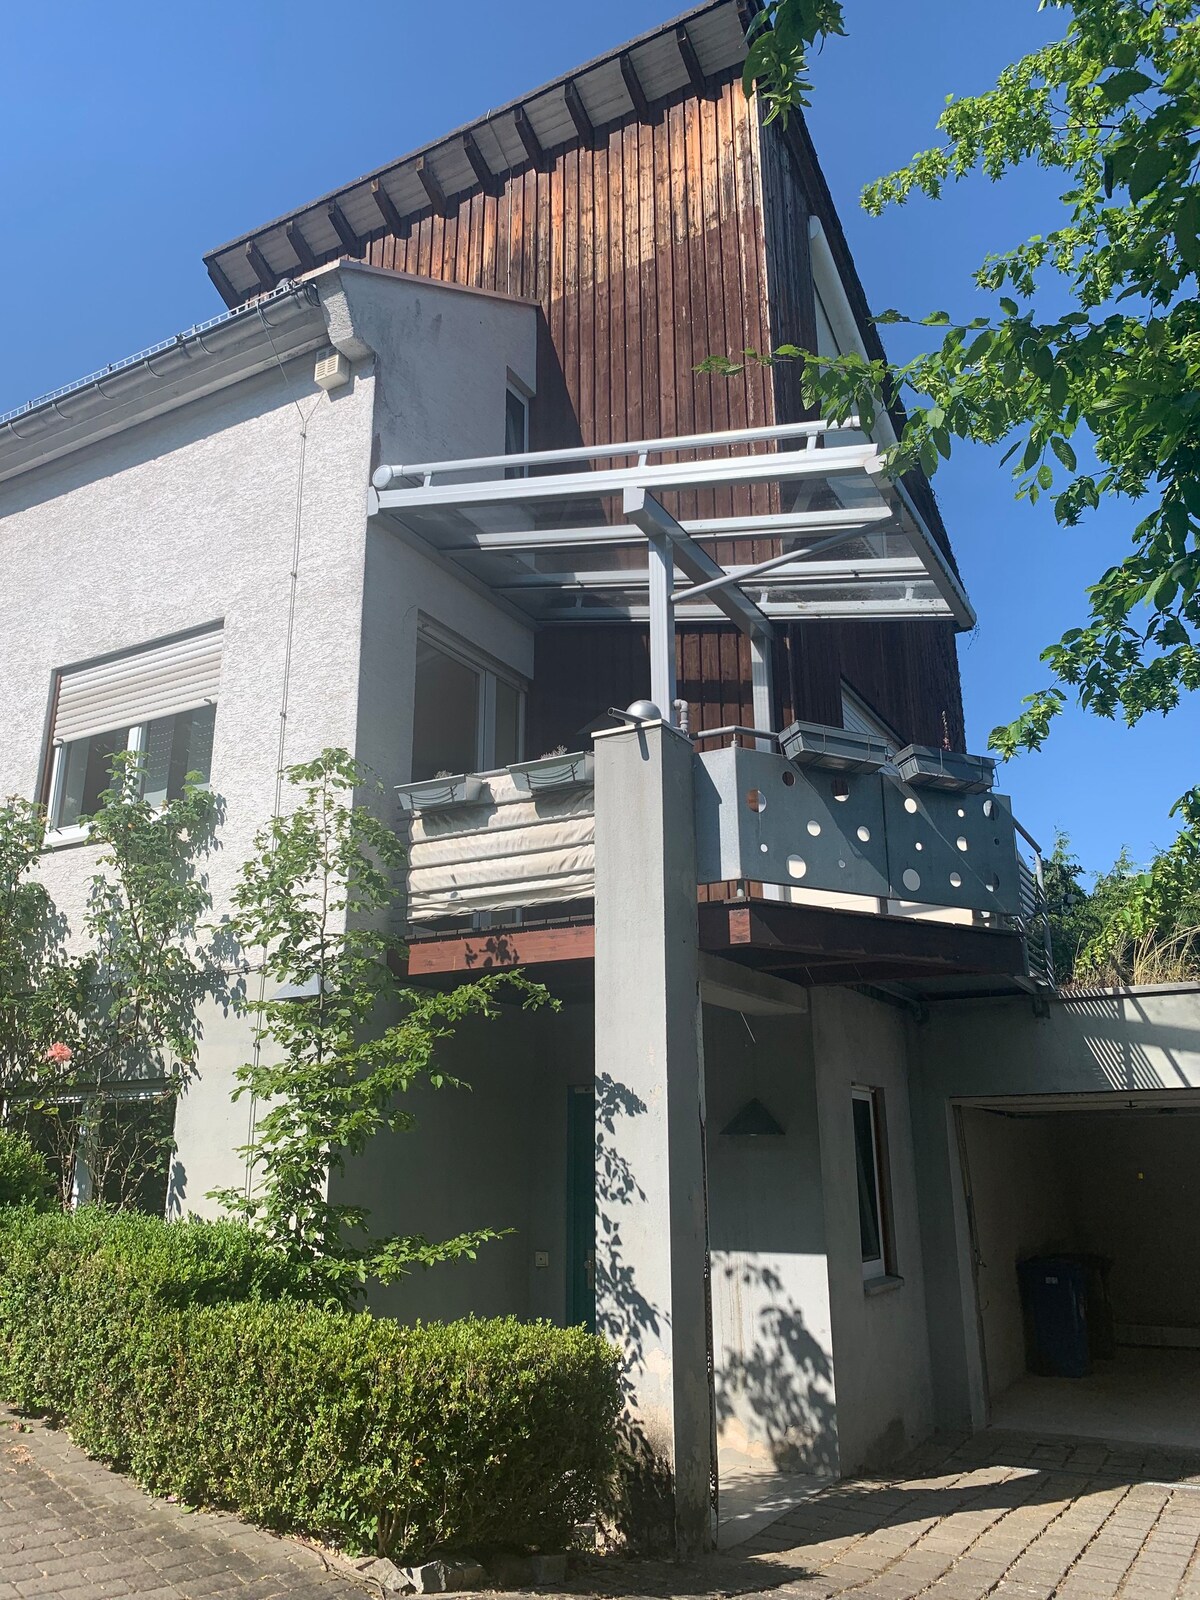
{"points": [[1054, 1303]]}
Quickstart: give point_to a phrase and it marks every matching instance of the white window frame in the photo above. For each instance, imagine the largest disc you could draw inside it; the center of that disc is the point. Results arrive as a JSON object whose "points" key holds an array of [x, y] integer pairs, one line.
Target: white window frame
{"points": [[79, 832], [879, 1266], [488, 673]]}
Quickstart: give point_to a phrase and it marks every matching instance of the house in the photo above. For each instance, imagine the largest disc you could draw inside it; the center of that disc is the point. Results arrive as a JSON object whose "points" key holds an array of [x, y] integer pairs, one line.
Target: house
{"points": [[445, 486]]}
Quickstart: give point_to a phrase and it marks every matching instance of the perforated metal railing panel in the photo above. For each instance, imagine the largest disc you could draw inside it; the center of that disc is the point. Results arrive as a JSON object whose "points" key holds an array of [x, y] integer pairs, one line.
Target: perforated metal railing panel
{"points": [[760, 817]]}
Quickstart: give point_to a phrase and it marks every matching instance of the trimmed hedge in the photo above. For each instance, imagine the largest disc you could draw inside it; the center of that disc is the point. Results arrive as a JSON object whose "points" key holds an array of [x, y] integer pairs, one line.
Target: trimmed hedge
{"points": [[24, 1176], [179, 1353]]}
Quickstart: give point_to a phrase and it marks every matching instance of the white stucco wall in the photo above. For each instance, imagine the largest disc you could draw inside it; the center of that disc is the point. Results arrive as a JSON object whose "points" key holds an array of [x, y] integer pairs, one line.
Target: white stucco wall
{"points": [[491, 1156], [880, 1342], [772, 1340], [190, 518]]}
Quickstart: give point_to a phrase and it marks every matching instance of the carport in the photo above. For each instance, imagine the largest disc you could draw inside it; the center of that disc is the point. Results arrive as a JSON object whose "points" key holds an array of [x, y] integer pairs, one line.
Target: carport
{"points": [[1114, 1178]]}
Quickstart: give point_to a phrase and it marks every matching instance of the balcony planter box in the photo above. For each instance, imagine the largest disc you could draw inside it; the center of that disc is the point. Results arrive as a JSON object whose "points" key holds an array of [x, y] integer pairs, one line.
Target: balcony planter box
{"points": [[552, 772], [437, 794], [836, 749], [926, 768]]}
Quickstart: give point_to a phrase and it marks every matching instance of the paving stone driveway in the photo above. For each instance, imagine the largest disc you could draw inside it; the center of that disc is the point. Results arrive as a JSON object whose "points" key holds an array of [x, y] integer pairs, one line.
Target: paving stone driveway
{"points": [[1001, 1515], [69, 1527]]}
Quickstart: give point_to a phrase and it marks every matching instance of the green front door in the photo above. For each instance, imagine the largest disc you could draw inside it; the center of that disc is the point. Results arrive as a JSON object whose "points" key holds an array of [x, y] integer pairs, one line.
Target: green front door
{"points": [[581, 1207]]}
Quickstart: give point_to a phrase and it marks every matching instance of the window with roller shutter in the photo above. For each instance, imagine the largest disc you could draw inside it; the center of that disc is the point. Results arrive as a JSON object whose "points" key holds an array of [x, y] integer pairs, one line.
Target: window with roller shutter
{"points": [[159, 701]]}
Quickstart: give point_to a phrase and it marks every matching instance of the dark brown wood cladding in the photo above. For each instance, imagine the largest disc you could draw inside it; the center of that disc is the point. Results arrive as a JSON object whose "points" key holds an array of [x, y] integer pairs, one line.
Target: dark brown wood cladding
{"points": [[647, 252]]}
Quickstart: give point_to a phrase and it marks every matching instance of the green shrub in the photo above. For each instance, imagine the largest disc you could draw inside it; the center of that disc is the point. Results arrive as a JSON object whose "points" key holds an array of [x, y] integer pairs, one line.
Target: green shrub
{"points": [[458, 1436], [24, 1176]]}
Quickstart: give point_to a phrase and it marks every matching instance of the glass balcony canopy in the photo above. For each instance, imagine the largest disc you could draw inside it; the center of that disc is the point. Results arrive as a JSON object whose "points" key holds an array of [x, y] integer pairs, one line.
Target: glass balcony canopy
{"points": [[755, 526]]}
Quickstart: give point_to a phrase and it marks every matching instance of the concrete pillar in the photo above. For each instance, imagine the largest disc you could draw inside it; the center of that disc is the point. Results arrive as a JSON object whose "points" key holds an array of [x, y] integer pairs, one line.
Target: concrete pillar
{"points": [[651, 1236]]}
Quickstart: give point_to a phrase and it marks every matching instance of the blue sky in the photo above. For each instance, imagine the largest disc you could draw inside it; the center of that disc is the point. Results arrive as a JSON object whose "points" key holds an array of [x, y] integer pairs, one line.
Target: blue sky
{"points": [[134, 137]]}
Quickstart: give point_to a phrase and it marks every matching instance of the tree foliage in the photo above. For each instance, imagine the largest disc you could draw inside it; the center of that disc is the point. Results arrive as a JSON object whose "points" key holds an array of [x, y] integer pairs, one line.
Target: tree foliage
{"points": [[335, 1060], [1132, 925], [118, 1011], [38, 994], [1099, 400]]}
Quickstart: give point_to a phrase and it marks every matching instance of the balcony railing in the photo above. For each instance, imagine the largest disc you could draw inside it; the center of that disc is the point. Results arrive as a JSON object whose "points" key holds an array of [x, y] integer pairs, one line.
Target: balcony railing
{"points": [[522, 839]]}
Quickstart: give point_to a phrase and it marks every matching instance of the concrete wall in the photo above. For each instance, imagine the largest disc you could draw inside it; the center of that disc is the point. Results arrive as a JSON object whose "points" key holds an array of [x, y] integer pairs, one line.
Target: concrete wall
{"points": [[1134, 1184], [773, 1345], [493, 1156], [1133, 1048], [881, 1350], [1019, 1192], [190, 518]]}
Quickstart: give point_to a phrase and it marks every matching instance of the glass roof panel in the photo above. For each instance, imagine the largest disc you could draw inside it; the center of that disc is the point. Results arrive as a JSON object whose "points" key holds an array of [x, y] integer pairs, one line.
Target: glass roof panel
{"points": [[815, 531]]}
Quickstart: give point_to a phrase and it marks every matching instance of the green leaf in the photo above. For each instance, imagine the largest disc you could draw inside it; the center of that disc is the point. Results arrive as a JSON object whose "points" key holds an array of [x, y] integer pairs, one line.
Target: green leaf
{"points": [[1150, 168], [1187, 229], [1064, 452], [1123, 86]]}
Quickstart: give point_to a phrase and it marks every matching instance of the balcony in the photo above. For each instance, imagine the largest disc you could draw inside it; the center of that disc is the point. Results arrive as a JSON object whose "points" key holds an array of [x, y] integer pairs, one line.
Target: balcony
{"points": [[810, 871]]}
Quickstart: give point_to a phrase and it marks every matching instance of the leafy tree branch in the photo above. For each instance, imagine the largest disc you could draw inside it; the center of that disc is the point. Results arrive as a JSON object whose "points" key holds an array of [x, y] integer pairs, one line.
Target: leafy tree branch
{"points": [[1101, 400], [336, 1057]]}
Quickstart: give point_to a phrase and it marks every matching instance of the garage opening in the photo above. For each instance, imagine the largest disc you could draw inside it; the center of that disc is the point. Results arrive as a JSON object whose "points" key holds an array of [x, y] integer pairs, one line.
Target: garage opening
{"points": [[1101, 1194]]}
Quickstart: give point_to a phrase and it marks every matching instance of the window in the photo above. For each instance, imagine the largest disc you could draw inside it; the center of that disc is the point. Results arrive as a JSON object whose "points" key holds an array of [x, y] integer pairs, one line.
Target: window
{"points": [[516, 429], [159, 702], [466, 716], [870, 1163], [858, 717]]}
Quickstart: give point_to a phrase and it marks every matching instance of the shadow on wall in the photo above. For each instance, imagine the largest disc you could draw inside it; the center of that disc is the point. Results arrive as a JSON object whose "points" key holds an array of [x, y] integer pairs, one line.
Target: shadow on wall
{"points": [[1132, 1042], [779, 1391], [645, 1512], [623, 1314]]}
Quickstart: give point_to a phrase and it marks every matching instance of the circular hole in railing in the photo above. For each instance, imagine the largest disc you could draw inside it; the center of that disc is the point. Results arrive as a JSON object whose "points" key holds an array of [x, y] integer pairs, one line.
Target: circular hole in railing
{"points": [[814, 828], [864, 833], [961, 812], [955, 880], [841, 789], [797, 866], [756, 800], [911, 879], [918, 845], [993, 883], [910, 805], [789, 777], [763, 848], [989, 808], [961, 842]]}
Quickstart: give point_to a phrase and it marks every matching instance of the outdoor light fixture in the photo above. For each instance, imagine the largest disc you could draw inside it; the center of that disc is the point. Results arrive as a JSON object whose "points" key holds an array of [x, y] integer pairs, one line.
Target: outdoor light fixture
{"points": [[753, 1121]]}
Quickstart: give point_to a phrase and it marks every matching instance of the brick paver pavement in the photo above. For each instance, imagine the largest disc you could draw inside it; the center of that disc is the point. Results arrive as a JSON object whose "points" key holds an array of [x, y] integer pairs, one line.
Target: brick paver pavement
{"points": [[1003, 1515], [996, 1517], [70, 1527]]}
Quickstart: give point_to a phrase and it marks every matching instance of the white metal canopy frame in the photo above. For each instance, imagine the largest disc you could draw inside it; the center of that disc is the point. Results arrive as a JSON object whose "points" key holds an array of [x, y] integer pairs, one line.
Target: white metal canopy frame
{"points": [[609, 533]]}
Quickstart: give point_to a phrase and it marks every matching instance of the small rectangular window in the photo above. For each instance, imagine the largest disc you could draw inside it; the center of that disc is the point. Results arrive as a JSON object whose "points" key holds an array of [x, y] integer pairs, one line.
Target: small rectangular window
{"points": [[516, 429], [446, 714], [176, 746], [158, 702], [859, 717], [466, 716], [508, 723], [86, 771], [870, 1162]]}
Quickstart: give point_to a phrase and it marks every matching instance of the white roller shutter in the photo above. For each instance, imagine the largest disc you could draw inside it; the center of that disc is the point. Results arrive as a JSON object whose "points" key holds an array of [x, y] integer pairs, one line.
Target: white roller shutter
{"points": [[155, 682]]}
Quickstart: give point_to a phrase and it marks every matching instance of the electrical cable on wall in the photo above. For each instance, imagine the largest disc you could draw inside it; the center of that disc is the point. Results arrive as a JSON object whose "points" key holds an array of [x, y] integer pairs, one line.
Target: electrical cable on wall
{"points": [[293, 584]]}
